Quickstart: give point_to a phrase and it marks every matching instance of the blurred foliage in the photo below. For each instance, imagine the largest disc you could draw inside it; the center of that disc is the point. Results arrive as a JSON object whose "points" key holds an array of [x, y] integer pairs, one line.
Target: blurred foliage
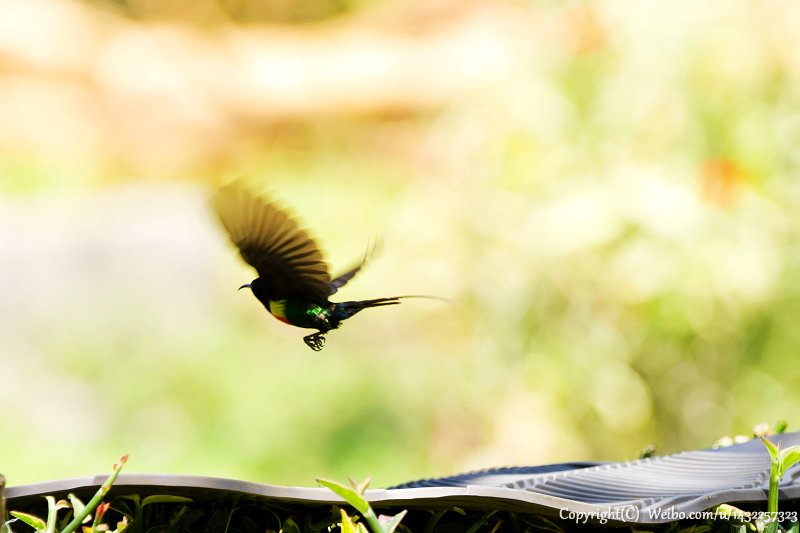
{"points": [[616, 224], [241, 11]]}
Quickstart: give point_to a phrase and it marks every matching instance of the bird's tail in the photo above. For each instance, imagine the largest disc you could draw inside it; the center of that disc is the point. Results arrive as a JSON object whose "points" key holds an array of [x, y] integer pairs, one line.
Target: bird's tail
{"points": [[348, 309]]}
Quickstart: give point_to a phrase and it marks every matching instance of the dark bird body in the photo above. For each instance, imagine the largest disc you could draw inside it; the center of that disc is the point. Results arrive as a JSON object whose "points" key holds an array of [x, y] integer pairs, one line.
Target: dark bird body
{"points": [[293, 281], [304, 314]]}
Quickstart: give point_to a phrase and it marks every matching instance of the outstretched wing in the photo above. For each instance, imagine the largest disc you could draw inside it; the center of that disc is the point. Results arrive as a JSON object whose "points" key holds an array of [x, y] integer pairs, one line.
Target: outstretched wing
{"points": [[286, 258], [339, 281]]}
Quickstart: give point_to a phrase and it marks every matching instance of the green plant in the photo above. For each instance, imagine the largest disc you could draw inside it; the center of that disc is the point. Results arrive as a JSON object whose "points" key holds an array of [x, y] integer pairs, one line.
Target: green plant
{"points": [[782, 460], [354, 495], [81, 513], [135, 510]]}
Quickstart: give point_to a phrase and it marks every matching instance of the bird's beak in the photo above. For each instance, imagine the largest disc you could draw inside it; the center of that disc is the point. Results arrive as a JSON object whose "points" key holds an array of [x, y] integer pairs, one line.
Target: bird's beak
{"points": [[243, 286]]}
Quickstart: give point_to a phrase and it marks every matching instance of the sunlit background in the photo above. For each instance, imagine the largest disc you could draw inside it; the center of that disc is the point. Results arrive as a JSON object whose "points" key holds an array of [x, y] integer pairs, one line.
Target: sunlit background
{"points": [[608, 192]]}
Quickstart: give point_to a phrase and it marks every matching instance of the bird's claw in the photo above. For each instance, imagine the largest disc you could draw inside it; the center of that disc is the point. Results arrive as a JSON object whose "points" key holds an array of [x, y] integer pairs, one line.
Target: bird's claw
{"points": [[315, 341]]}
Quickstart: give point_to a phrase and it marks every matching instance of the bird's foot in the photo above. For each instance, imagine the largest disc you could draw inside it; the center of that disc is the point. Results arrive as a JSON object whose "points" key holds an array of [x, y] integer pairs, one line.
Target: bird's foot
{"points": [[315, 341]]}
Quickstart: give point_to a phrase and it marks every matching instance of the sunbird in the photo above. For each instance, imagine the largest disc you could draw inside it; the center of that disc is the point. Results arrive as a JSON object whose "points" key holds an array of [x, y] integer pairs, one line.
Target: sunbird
{"points": [[293, 282]]}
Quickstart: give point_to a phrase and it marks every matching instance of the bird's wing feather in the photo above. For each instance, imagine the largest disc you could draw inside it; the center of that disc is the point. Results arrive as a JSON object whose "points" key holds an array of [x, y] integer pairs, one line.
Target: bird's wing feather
{"points": [[270, 240], [340, 280], [337, 283]]}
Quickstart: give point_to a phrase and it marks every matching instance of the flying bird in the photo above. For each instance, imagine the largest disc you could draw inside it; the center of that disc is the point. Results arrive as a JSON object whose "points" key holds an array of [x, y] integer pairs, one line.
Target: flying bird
{"points": [[293, 282]]}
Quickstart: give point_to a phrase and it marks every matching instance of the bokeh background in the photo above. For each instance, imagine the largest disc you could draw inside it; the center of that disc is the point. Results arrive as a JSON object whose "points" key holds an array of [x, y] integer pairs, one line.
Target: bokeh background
{"points": [[607, 191]]}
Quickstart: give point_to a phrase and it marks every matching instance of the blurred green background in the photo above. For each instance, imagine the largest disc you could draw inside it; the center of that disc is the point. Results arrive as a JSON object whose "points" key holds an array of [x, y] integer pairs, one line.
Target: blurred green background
{"points": [[608, 191]]}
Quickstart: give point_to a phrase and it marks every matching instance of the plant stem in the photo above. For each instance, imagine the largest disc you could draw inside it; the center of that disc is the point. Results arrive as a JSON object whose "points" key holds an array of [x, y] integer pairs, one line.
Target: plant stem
{"points": [[772, 501], [98, 497], [372, 520], [772, 497]]}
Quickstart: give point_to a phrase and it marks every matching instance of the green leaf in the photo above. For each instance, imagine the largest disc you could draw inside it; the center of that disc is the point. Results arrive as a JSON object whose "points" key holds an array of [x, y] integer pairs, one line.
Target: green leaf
{"points": [[780, 427], [354, 498], [431, 524], [390, 523], [122, 525], [789, 457], [348, 526], [648, 451], [484, 519], [52, 514], [361, 488], [541, 523], [164, 498], [77, 506], [62, 504], [290, 526], [350, 495], [122, 507], [771, 448], [729, 511], [135, 498], [34, 521]]}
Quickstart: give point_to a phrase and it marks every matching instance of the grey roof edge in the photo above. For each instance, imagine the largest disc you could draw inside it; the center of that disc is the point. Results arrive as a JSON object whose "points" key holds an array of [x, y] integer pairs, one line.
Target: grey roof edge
{"points": [[540, 490], [472, 496]]}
